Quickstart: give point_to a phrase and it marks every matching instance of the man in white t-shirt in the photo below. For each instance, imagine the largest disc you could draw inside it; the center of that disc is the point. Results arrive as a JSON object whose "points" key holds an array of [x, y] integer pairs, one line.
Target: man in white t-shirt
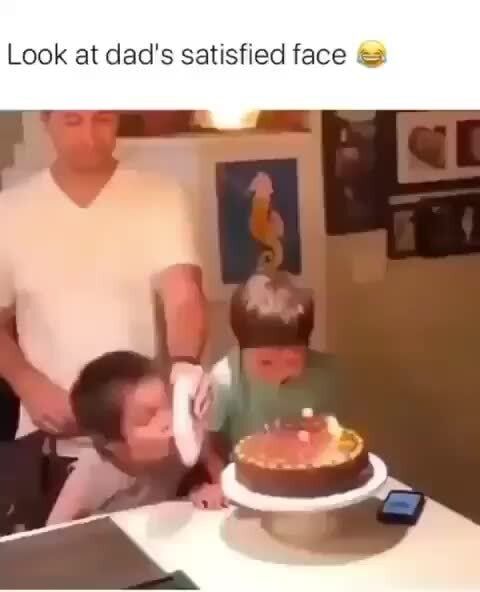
{"points": [[87, 248]]}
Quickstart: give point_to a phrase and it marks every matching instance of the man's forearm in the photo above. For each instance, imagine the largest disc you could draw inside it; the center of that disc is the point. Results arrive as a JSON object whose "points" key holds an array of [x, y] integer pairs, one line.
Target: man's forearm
{"points": [[186, 322], [13, 365], [185, 310]]}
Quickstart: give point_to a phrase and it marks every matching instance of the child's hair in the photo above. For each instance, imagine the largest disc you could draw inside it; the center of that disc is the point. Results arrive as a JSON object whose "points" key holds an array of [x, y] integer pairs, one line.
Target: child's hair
{"points": [[98, 394], [268, 310]]}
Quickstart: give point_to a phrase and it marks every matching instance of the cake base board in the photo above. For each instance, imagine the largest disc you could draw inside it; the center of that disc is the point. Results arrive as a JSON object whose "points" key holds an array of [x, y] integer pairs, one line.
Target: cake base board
{"points": [[242, 496], [300, 529], [302, 522]]}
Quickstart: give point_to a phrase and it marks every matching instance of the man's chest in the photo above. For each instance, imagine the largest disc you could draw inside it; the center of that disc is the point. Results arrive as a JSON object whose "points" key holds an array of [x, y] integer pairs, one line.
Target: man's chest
{"points": [[77, 254]]}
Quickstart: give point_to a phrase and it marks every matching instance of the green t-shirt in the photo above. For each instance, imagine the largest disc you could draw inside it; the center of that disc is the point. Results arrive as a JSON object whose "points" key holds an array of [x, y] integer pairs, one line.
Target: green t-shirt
{"points": [[243, 406]]}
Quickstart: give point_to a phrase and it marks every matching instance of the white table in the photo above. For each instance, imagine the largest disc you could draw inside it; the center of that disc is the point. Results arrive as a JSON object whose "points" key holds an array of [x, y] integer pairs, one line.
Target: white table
{"points": [[220, 550]]}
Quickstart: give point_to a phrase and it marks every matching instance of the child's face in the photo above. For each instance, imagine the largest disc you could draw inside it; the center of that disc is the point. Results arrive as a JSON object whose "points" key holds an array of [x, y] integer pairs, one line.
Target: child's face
{"points": [[147, 423], [274, 365]]}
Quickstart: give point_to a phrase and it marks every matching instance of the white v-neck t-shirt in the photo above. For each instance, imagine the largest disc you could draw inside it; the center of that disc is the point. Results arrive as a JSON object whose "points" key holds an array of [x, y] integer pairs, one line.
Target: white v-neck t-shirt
{"points": [[81, 279]]}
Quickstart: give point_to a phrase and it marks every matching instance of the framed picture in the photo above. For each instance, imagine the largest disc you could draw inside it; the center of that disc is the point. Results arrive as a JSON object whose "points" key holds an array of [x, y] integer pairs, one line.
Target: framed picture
{"points": [[435, 226], [401, 232], [353, 171], [468, 144], [258, 218], [435, 150]]}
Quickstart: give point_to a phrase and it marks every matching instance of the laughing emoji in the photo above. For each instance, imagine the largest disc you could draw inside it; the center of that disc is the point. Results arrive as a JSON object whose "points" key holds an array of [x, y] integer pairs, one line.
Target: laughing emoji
{"points": [[372, 54]]}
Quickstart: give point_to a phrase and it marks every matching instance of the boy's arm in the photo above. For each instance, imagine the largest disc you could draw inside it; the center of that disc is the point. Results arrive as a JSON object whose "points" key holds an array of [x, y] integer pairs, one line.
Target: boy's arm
{"points": [[216, 449], [92, 482], [215, 455]]}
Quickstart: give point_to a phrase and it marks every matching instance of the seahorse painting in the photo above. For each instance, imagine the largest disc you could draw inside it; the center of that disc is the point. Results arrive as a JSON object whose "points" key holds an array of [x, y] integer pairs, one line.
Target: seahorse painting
{"points": [[258, 217], [266, 224]]}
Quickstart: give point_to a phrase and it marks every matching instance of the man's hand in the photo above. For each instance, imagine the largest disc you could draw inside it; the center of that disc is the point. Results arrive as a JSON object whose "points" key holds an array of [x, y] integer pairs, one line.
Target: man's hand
{"points": [[47, 404], [208, 497], [201, 392]]}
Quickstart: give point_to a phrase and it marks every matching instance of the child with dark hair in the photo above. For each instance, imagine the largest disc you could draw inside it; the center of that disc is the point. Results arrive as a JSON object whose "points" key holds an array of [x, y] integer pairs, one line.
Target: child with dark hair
{"points": [[122, 403], [272, 373]]}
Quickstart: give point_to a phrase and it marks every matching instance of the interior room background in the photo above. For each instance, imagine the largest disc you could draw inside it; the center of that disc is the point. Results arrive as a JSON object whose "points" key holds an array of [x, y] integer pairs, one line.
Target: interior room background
{"points": [[406, 329]]}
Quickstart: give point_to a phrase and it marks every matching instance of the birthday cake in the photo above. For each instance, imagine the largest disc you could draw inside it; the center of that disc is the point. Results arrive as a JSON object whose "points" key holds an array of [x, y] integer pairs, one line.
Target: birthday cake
{"points": [[312, 456]]}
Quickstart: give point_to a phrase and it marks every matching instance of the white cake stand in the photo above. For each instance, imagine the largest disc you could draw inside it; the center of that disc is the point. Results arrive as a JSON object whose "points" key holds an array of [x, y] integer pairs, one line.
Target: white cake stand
{"points": [[301, 520]]}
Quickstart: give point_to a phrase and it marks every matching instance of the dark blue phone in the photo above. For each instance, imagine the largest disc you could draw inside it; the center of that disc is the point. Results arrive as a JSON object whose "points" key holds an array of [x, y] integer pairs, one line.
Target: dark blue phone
{"points": [[402, 507]]}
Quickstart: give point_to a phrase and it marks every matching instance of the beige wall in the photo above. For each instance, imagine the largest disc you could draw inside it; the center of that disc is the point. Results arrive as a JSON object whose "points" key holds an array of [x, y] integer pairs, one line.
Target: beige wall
{"points": [[410, 349]]}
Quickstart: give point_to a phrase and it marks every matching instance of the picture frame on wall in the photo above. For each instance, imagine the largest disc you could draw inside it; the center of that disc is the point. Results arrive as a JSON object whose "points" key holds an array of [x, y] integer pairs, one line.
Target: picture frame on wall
{"points": [[433, 150], [352, 166], [258, 217], [401, 232], [430, 226]]}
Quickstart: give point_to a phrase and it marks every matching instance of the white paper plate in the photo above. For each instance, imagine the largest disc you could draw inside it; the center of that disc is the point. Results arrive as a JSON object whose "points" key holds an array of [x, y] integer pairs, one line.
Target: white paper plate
{"points": [[239, 494], [187, 432]]}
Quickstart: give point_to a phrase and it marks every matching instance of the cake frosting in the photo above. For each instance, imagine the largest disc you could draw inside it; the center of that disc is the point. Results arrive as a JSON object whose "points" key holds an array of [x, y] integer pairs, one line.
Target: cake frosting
{"points": [[308, 457]]}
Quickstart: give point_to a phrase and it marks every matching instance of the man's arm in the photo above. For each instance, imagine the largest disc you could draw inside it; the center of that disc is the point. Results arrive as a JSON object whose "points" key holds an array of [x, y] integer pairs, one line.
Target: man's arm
{"points": [[13, 365], [14, 368], [46, 403], [184, 306], [178, 277]]}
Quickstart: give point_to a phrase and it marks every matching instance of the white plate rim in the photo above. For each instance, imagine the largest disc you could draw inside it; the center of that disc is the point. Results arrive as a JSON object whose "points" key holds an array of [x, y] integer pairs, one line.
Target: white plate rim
{"points": [[239, 494], [187, 431]]}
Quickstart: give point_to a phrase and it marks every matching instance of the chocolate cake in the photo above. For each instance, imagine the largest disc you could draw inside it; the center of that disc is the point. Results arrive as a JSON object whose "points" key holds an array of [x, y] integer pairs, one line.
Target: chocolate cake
{"points": [[308, 457]]}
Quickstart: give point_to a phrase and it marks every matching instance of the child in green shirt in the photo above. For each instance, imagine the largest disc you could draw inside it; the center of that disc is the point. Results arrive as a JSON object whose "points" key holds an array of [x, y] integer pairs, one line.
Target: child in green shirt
{"points": [[272, 373]]}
